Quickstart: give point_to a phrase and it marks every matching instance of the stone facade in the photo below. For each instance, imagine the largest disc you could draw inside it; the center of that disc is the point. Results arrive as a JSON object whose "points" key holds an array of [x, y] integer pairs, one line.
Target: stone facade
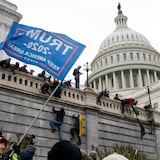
{"points": [[104, 125], [8, 15]]}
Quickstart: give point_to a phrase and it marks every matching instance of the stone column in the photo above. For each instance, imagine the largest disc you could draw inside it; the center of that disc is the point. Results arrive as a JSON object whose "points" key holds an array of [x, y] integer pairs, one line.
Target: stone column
{"points": [[94, 84], [106, 78], [114, 81], [100, 84], [140, 78], [92, 129], [131, 79], [148, 77], [155, 76], [103, 83], [123, 81]]}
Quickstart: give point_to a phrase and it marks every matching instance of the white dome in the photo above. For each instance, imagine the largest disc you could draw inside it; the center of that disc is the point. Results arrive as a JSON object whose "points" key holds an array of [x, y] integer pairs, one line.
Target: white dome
{"points": [[123, 35]]}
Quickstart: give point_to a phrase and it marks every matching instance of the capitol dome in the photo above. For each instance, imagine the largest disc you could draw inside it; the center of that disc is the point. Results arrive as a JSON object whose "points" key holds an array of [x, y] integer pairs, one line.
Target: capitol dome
{"points": [[126, 61], [123, 35]]}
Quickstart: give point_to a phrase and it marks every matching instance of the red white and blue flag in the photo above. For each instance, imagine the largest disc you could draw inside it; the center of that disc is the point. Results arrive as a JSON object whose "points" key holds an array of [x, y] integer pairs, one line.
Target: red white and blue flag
{"points": [[53, 52]]}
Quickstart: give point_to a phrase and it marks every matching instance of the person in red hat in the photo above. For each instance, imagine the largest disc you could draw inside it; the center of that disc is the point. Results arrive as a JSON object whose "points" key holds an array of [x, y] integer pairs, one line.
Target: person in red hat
{"points": [[3, 144]]}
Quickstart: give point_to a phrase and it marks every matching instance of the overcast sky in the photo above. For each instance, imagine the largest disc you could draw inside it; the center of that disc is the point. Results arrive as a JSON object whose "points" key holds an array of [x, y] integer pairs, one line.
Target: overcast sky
{"points": [[91, 21]]}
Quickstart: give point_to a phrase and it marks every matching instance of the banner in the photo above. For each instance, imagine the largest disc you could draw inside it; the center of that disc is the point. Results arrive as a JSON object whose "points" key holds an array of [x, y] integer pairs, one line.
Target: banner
{"points": [[55, 53]]}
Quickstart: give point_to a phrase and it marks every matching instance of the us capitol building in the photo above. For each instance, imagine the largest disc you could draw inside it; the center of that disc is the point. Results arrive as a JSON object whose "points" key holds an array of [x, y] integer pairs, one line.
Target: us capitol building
{"points": [[126, 64]]}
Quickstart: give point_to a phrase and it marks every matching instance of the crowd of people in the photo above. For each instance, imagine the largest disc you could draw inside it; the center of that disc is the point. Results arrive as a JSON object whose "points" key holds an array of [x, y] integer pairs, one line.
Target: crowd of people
{"points": [[48, 84], [6, 63], [126, 101], [13, 151], [101, 94], [63, 149]]}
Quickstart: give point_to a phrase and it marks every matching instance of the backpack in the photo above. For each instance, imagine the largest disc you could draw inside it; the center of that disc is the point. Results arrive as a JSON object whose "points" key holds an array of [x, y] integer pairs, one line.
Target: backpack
{"points": [[74, 72]]}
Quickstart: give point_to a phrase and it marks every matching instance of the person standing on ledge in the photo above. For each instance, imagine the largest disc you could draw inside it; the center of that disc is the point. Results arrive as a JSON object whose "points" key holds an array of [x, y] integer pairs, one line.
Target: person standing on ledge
{"points": [[76, 74]]}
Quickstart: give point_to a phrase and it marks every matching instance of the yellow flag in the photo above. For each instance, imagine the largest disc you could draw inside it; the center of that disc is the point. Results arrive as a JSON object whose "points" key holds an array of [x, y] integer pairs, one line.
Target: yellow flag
{"points": [[81, 130]]}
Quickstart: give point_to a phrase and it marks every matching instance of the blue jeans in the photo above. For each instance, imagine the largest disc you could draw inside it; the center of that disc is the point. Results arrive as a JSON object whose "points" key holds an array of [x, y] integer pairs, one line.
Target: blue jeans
{"points": [[58, 124], [77, 81]]}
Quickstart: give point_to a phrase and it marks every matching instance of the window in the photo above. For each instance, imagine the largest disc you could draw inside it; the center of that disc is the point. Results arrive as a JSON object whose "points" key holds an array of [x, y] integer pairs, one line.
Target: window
{"points": [[131, 56], [118, 58], [149, 57], [111, 59], [106, 60], [138, 56], [101, 63], [144, 56], [124, 56]]}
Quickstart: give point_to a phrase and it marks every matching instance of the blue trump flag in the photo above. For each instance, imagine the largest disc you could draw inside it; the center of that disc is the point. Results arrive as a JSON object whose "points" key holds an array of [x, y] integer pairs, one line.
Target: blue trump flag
{"points": [[53, 52]]}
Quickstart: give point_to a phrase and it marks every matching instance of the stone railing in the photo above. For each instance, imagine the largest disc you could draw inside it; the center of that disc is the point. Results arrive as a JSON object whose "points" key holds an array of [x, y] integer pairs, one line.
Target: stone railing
{"points": [[114, 106], [25, 82], [19, 80]]}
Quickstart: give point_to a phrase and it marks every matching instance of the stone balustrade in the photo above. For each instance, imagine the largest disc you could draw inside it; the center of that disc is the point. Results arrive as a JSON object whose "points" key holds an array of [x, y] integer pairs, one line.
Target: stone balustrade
{"points": [[87, 97]]}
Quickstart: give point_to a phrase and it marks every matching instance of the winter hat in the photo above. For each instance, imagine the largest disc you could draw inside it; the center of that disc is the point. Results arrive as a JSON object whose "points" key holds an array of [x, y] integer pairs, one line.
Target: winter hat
{"points": [[64, 150]]}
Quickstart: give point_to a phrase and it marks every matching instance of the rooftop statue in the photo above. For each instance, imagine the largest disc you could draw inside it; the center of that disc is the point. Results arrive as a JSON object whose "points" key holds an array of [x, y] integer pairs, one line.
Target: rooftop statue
{"points": [[119, 9]]}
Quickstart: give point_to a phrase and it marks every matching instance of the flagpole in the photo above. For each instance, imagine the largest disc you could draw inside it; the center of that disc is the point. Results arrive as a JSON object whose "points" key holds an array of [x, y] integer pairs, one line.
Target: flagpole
{"points": [[37, 116]]}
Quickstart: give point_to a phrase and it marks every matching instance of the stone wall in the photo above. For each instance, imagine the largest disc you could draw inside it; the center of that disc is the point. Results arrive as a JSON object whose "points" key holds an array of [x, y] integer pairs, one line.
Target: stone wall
{"points": [[104, 125]]}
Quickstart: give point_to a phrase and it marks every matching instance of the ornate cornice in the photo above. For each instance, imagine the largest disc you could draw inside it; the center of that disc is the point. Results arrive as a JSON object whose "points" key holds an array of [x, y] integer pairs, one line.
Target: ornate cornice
{"points": [[8, 12]]}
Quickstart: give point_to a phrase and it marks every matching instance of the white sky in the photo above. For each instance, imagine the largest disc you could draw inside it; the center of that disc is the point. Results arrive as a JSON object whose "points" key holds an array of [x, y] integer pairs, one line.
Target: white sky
{"points": [[91, 21]]}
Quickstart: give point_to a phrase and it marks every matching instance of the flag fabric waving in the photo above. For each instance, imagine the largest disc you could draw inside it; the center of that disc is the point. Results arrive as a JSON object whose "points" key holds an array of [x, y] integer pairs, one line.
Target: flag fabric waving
{"points": [[81, 130], [140, 123], [52, 52]]}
